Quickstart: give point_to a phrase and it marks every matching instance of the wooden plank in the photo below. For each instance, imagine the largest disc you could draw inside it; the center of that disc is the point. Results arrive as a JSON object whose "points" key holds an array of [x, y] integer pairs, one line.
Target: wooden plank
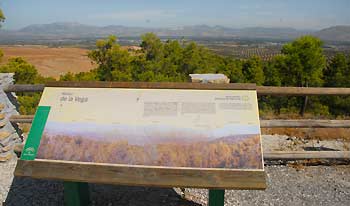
{"points": [[261, 90], [305, 123], [21, 121], [301, 91], [140, 175], [21, 118], [300, 155], [25, 88], [297, 123], [154, 85]]}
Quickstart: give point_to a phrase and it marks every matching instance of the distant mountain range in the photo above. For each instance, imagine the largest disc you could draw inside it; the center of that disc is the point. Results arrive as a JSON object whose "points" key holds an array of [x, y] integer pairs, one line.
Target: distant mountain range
{"points": [[76, 30]]}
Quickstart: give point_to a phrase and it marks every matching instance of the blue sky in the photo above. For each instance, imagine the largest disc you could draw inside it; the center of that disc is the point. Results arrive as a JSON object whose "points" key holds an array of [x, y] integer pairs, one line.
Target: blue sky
{"points": [[300, 14]]}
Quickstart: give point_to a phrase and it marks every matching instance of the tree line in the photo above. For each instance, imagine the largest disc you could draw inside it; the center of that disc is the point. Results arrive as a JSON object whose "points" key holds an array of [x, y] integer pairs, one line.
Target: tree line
{"points": [[302, 63]]}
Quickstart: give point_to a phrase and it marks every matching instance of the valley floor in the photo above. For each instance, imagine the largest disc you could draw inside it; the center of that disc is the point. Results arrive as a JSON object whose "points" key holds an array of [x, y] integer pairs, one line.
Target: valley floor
{"points": [[50, 62]]}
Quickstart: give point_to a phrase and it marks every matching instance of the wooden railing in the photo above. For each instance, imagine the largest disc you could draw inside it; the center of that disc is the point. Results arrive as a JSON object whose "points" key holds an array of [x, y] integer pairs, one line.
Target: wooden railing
{"points": [[299, 123], [261, 91]]}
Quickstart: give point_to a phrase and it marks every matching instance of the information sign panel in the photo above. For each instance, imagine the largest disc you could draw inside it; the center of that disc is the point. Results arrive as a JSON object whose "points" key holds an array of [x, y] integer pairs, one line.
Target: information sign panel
{"points": [[215, 133]]}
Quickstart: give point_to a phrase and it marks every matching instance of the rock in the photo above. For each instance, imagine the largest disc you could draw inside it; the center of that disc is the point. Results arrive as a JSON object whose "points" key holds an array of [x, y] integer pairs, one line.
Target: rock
{"points": [[2, 106], [9, 136], [4, 135], [2, 116], [9, 147], [2, 124], [5, 156], [18, 148], [209, 78]]}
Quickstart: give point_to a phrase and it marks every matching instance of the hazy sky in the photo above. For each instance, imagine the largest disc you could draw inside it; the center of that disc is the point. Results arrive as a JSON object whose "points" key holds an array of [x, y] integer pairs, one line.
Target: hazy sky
{"points": [[302, 14]]}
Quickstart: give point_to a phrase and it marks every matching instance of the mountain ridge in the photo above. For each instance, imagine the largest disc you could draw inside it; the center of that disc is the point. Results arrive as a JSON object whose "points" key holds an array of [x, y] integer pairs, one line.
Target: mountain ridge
{"points": [[76, 30], [339, 32]]}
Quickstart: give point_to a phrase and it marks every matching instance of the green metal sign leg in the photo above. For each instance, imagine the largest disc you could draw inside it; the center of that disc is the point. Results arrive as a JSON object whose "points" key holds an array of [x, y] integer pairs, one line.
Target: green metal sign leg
{"points": [[76, 194], [33, 141], [216, 197]]}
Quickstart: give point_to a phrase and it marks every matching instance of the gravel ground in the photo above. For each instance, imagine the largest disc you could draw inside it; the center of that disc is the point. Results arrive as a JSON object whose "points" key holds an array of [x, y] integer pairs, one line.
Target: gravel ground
{"points": [[286, 143], [313, 185]]}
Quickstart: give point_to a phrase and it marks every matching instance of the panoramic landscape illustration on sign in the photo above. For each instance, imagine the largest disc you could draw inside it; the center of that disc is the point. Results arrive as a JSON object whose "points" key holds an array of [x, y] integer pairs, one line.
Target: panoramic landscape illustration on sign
{"points": [[150, 127]]}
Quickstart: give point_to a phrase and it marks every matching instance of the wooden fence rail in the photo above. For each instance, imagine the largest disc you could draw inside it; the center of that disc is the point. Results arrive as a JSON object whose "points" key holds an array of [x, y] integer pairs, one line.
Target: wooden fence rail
{"points": [[304, 123], [261, 90], [301, 91], [303, 155], [297, 123]]}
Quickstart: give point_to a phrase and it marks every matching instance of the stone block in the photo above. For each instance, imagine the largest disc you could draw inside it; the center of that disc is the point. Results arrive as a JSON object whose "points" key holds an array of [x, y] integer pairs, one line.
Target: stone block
{"points": [[4, 135], [210, 78], [6, 156], [2, 116]]}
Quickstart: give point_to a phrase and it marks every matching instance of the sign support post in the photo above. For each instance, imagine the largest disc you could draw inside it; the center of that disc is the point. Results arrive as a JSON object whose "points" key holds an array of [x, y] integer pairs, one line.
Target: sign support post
{"points": [[216, 197], [76, 194]]}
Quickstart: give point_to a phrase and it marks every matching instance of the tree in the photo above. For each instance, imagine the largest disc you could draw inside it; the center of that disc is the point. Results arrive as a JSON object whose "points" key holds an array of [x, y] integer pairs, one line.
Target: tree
{"points": [[2, 17], [113, 62], [253, 70], [305, 62], [337, 74], [69, 76], [1, 55], [152, 46], [304, 65], [25, 73], [272, 71], [198, 59], [233, 70]]}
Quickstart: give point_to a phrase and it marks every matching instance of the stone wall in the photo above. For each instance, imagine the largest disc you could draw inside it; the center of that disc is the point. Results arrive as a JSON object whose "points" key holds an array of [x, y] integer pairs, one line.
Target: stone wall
{"points": [[9, 133]]}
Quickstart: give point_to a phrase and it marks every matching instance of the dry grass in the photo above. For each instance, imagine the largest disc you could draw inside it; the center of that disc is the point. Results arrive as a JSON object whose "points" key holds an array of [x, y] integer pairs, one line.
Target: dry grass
{"points": [[51, 62], [312, 133]]}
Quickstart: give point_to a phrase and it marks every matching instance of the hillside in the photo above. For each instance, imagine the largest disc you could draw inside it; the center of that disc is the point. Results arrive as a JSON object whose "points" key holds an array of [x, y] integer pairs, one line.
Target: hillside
{"points": [[336, 33]]}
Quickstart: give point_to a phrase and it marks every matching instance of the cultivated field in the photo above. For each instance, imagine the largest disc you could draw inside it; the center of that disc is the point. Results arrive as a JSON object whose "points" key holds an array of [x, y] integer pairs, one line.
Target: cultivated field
{"points": [[50, 61]]}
